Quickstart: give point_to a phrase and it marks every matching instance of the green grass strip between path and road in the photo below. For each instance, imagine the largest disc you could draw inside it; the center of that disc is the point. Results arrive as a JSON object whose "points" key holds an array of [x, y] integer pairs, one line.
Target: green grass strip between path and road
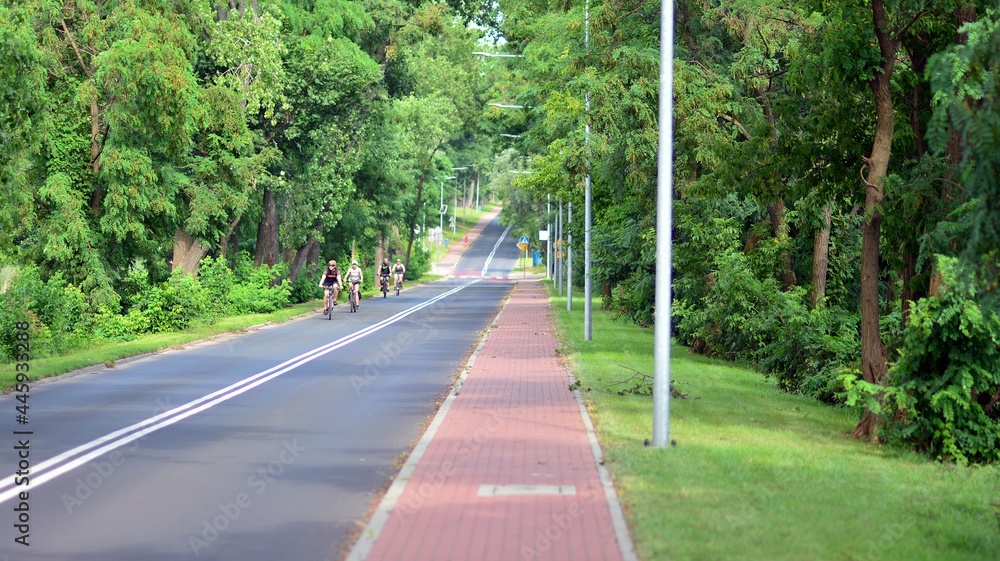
{"points": [[758, 474]]}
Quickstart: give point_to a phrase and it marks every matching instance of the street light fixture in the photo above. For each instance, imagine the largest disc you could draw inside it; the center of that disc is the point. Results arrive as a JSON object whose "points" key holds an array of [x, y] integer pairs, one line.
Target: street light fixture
{"points": [[496, 55], [509, 106]]}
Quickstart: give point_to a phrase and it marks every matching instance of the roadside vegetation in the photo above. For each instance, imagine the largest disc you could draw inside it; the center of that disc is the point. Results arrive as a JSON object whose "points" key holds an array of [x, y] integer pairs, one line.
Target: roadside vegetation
{"points": [[836, 224], [759, 473]]}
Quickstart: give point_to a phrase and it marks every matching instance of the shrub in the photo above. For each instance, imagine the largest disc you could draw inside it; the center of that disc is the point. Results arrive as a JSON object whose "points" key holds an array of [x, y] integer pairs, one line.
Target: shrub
{"points": [[218, 280], [171, 305], [304, 288], [259, 290], [948, 375], [55, 311], [744, 318]]}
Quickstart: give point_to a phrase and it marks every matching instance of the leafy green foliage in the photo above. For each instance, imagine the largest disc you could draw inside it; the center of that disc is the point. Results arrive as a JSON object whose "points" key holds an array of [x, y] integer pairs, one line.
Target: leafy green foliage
{"points": [[966, 79], [948, 375], [744, 318], [60, 317], [54, 310]]}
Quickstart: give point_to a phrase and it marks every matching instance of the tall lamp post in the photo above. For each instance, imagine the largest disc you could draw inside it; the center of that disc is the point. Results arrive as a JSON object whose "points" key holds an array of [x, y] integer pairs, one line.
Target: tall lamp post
{"points": [[664, 224], [588, 210], [465, 202], [441, 210]]}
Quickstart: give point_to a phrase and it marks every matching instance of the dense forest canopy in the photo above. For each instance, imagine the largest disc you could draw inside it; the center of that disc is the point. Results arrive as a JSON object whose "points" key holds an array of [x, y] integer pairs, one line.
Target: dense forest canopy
{"points": [[837, 181]]}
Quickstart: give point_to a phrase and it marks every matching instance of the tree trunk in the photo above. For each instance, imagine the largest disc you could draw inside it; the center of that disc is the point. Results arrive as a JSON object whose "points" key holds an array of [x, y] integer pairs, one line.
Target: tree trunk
{"points": [[821, 258], [776, 212], [910, 293], [873, 353], [267, 233], [956, 147], [95, 157], [188, 252], [230, 234], [412, 222], [301, 257], [605, 294]]}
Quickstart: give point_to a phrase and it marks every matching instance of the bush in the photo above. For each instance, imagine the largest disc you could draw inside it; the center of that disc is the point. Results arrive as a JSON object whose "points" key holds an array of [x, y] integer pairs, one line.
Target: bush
{"points": [[948, 375], [55, 311], [171, 305], [305, 286], [218, 280], [744, 318], [258, 290]]}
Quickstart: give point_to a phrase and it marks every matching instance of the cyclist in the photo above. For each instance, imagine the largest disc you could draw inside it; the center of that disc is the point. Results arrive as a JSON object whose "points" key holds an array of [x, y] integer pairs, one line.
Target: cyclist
{"points": [[331, 280], [355, 276], [384, 271], [399, 269]]}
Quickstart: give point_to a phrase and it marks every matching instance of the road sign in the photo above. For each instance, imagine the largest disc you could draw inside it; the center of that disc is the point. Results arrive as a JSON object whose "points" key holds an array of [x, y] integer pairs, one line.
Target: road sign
{"points": [[524, 240], [522, 246]]}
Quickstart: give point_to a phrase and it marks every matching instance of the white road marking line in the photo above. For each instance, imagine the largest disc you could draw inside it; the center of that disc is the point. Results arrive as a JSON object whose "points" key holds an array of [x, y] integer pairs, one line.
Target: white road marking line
{"points": [[495, 247], [526, 490], [62, 463]]}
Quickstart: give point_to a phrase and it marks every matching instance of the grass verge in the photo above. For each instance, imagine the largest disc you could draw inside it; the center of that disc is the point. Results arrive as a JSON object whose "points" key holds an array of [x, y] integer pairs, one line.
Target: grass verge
{"points": [[759, 474], [110, 352]]}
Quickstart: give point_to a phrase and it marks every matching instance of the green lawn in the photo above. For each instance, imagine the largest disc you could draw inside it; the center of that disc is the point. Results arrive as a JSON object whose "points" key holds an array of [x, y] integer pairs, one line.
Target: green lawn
{"points": [[758, 474]]}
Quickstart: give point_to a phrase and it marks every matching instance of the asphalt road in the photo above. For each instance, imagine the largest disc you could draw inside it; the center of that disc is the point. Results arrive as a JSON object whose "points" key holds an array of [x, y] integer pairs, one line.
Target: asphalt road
{"points": [[267, 445]]}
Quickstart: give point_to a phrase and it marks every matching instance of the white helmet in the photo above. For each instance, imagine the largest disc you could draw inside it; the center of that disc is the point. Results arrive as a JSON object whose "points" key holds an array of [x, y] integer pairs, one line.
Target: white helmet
{"points": [[355, 262]]}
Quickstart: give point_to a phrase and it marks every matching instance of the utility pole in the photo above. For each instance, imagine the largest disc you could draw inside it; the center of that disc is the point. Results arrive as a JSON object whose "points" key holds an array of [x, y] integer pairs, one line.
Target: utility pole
{"points": [[559, 250], [569, 260], [664, 226], [548, 243], [588, 211]]}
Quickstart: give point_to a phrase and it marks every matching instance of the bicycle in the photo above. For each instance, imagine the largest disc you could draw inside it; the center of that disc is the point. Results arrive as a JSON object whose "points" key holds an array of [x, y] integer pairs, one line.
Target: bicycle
{"points": [[385, 286], [399, 285], [329, 302], [354, 296]]}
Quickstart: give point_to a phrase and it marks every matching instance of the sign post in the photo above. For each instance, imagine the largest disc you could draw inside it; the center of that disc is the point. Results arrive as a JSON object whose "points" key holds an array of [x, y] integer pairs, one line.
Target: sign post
{"points": [[523, 244]]}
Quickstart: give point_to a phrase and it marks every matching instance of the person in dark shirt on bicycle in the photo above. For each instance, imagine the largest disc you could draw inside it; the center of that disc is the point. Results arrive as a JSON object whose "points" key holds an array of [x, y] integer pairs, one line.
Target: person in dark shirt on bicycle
{"points": [[330, 280], [384, 271]]}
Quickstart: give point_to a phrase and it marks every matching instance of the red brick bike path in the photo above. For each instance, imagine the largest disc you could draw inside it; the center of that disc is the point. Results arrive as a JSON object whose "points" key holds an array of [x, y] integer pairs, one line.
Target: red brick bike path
{"points": [[509, 472]]}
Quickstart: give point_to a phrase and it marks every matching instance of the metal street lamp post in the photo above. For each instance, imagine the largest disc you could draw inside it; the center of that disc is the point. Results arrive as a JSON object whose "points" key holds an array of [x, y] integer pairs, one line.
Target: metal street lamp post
{"points": [[588, 211], [664, 225], [441, 209]]}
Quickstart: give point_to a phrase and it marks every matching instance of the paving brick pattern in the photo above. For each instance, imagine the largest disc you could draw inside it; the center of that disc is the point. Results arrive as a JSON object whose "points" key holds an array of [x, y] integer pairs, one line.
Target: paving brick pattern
{"points": [[514, 422]]}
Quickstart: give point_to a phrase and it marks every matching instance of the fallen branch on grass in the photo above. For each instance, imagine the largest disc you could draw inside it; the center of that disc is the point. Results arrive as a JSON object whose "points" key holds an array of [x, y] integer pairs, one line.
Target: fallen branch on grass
{"points": [[642, 384]]}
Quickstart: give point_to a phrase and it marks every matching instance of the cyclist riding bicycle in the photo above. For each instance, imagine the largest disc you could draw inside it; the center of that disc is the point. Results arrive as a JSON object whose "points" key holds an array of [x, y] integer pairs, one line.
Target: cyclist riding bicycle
{"points": [[355, 276], [384, 271], [331, 280], [399, 269]]}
